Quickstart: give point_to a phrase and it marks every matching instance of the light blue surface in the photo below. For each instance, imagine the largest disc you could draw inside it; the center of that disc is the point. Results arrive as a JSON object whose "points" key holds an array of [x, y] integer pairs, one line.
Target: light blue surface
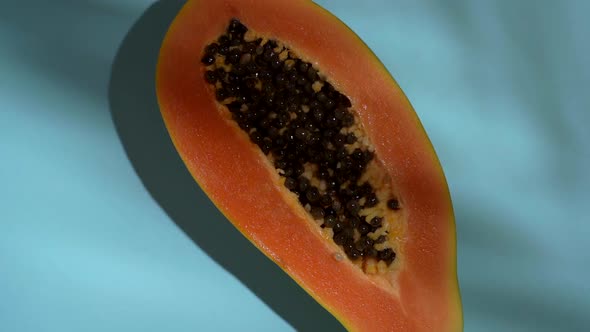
{"points": [[502, 88]]}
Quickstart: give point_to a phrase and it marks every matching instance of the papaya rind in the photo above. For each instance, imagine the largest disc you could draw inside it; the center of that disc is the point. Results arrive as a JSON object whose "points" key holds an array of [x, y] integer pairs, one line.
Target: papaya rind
{"points": [[168, 112]]}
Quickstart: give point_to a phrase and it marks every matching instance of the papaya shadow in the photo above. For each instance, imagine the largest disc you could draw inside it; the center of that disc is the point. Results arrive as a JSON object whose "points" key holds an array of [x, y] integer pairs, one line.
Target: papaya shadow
{"points": [[135, 113]]}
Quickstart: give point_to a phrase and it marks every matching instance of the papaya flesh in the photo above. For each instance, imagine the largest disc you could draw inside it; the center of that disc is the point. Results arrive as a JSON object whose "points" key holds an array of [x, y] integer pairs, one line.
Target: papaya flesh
{"points": [[305, 142]]}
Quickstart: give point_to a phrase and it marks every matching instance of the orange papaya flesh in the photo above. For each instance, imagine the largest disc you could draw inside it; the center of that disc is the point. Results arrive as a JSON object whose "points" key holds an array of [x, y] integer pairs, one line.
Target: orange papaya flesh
{"points": [[418, 291]]}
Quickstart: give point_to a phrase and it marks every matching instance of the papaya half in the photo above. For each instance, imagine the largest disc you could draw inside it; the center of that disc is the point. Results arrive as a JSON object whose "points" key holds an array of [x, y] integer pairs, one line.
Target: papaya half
{"points": [[304, 141]]}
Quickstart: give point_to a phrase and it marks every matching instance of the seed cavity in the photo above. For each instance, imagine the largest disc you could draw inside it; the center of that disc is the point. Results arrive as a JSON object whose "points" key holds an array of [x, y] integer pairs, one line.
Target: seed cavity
{"points": [[312, 136]]}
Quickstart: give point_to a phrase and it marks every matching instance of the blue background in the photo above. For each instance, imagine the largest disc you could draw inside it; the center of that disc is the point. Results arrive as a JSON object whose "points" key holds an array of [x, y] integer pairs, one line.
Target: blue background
{"points": [[101, 228]]}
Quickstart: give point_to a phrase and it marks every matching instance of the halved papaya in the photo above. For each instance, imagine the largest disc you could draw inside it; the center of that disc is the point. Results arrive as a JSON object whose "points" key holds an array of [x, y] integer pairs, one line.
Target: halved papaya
{"points": [[306, 143]]}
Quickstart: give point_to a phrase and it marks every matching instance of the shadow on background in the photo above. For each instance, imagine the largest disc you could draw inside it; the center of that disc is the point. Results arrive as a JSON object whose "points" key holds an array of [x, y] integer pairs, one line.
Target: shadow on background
{"points": [[140, 127]]}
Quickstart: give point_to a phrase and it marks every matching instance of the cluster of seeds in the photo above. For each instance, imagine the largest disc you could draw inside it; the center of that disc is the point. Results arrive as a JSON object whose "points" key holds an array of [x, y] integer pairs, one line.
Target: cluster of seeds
{"points": [[309, 132]]}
